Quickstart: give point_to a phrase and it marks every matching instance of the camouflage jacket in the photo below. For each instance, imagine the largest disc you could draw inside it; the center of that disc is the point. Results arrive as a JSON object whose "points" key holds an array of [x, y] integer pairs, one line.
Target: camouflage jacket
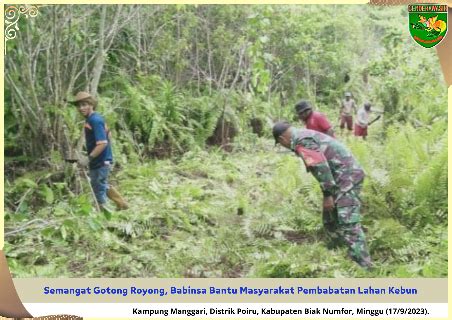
{"points": [[331, 163]]}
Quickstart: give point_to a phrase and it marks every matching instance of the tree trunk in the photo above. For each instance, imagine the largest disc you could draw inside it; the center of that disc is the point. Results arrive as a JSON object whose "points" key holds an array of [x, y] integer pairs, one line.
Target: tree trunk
{"points": [[100, 56]]}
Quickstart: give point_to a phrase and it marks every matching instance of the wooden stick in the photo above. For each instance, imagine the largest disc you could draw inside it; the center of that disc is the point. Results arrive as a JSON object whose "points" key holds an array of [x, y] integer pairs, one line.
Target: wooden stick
{"points": [[91, 189]]}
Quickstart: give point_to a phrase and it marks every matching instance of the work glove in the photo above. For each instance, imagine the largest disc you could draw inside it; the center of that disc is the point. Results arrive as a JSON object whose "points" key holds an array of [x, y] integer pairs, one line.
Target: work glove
{"points": [[83, 162]]}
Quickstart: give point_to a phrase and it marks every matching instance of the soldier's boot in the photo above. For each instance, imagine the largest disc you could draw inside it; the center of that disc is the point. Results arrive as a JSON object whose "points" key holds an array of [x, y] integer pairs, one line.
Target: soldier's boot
{"points": [[119, 201]]}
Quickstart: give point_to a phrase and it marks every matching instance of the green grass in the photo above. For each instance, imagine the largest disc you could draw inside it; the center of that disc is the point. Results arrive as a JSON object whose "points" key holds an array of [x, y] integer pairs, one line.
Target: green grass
{"points": [[254, 212]]}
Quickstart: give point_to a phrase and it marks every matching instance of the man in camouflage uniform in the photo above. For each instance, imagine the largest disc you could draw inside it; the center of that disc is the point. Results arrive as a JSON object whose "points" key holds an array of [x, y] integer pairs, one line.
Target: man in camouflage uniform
{"points": [[340, 177]]}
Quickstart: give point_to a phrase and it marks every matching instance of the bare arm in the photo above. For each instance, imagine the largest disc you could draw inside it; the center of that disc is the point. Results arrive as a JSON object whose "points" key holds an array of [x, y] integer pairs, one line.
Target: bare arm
{"points": [[330, 132], [98, 150]]}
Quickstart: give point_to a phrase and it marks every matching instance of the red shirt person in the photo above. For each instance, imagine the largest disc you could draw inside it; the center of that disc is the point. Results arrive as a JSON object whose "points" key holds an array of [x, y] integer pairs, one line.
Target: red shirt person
{"points": [[312, 119]]}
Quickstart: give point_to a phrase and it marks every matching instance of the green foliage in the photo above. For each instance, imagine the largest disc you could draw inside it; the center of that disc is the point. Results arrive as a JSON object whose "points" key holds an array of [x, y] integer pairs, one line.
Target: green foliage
{"points": [[159, 119], [248, 214], [170, 74]]}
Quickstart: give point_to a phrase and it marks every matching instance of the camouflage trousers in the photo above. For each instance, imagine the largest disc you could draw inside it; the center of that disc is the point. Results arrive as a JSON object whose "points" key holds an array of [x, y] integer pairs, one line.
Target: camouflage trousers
{"points": [[343, 225]]}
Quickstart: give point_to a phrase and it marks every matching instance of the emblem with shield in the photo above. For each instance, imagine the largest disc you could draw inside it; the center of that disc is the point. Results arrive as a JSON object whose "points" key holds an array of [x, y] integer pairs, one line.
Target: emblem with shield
{"points": [[428, 23]]}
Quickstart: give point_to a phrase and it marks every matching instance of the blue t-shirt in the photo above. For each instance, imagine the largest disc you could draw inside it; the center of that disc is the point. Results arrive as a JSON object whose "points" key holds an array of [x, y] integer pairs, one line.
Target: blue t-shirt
{"points": [[96, 132]]}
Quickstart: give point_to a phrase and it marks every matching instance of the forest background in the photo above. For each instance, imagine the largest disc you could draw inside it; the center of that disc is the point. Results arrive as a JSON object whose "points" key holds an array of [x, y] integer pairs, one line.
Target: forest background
{"points": [[189, 93]]}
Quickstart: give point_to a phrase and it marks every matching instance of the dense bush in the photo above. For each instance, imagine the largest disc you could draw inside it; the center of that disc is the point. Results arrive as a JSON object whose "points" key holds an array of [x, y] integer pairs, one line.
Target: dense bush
{"points": [[205, 203]]}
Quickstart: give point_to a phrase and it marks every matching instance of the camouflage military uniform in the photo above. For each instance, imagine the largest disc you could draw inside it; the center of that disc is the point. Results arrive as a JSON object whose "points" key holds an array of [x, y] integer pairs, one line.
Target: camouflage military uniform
{"points": [[339, 176]]}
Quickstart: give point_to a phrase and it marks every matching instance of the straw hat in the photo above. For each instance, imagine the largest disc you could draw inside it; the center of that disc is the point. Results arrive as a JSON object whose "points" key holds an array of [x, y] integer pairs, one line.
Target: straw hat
{"points": [[83, 96]]}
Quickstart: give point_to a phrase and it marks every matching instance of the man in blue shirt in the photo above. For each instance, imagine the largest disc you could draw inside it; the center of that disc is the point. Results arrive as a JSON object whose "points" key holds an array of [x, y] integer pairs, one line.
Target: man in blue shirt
{"points": [[98, 145]]}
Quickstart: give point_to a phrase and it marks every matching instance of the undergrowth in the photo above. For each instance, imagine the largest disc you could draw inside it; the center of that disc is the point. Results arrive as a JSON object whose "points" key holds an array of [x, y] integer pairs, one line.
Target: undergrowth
{"points": [[254, 212]]}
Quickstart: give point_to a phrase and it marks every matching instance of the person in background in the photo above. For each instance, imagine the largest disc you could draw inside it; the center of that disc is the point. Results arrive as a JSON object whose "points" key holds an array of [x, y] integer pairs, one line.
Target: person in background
{"points": [[362, 120], [348, 108], [340, 177], [100, 157], [312, 119]]}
